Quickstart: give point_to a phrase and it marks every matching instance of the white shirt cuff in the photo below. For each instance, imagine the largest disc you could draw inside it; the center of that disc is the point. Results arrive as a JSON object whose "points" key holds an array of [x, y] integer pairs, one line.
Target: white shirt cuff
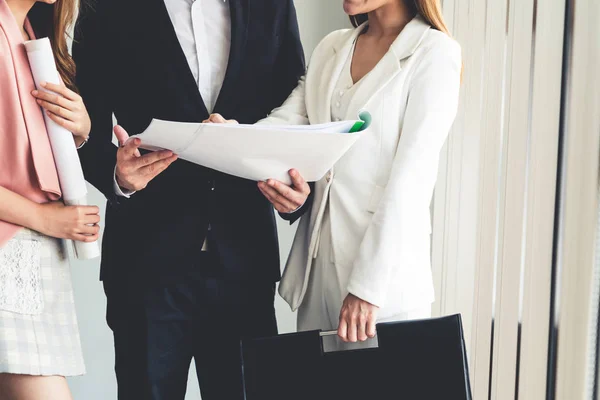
{"points": [[120, 192]]}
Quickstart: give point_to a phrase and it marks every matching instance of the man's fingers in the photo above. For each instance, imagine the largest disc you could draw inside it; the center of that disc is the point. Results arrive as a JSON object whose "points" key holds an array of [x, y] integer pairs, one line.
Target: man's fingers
{"points": [[121, 135], [217, 119], [149, 159], [156, 168], [131, 148]]}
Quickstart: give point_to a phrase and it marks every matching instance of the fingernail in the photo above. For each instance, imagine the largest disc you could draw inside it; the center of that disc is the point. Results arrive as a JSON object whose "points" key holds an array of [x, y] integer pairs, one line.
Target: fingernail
{"points": [[43, 84], [35, 92], [137, 141]]}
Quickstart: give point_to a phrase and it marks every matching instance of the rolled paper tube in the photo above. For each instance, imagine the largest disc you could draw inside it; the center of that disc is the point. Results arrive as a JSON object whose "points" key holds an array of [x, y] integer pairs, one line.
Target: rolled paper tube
{"points": [[68, 166]]}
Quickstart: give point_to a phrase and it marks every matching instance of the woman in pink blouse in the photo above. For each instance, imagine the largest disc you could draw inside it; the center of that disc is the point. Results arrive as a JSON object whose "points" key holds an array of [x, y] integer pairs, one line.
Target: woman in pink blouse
{"points": [[39, 337]]}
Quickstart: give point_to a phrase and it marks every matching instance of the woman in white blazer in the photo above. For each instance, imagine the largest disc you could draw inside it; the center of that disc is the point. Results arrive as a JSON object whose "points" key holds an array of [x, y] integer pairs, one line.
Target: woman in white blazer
{"points": [[361, 254]]}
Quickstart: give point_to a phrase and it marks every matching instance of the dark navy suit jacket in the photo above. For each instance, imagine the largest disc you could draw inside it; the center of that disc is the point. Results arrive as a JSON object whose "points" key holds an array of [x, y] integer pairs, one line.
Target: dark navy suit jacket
{"points": [[130, 63]]}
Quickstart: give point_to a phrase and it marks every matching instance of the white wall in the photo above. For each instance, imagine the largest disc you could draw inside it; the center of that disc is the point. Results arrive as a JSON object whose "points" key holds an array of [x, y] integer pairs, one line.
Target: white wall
{"points": [[317, 18]]}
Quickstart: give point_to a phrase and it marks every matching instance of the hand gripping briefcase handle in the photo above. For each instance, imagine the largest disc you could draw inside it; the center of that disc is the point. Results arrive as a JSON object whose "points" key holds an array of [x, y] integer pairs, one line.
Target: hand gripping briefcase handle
{"points": [[423, 360]]}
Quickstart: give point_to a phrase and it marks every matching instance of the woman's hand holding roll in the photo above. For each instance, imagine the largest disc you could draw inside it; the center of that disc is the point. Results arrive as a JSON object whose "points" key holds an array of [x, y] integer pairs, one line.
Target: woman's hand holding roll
{"points": [[66, 108]]}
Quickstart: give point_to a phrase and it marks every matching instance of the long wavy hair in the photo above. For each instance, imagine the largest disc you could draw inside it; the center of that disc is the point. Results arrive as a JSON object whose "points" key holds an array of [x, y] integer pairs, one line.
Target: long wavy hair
{"points": [[430, 10], [55, 21]]}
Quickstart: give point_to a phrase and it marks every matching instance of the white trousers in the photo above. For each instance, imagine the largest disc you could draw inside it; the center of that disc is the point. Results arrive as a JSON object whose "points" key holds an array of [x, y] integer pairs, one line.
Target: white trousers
{"points": [[325, 295]]}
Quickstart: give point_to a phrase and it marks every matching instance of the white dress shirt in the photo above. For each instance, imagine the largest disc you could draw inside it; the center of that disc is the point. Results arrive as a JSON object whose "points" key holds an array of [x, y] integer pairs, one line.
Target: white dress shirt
{"points": [[203, 28]]}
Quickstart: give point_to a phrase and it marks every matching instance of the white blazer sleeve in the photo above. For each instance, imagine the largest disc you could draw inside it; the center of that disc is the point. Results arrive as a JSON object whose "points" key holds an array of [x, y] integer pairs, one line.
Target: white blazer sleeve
{"points": [[431, 109], [293, 110]]}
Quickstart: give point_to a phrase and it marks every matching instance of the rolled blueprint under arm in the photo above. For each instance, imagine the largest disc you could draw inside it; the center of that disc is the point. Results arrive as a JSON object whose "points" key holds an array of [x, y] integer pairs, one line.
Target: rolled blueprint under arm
{"points": [[68, 166]]}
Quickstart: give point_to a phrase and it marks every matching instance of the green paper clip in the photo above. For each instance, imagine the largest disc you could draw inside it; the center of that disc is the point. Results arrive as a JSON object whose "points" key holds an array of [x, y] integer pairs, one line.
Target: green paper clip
{"points": [[357, 127]]}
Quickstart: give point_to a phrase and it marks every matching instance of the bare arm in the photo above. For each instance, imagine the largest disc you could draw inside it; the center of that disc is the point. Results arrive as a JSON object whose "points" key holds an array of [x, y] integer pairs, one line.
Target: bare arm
{"points": [[18, 210], [52, 219]]}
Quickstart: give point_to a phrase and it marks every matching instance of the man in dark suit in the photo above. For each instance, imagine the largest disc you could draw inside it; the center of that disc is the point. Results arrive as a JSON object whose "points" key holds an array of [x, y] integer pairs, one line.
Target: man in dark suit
{"points": [[190, 255]]}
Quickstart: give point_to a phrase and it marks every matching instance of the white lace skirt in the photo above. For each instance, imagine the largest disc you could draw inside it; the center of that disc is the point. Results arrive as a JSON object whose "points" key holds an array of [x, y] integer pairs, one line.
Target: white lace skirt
{"points": [[38, 325]]}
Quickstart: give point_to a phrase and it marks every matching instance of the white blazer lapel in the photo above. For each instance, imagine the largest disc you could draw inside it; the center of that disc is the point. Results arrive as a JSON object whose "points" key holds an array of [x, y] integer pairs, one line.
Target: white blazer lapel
{"points": [[331, 74], [386, 70], [390, 65]]}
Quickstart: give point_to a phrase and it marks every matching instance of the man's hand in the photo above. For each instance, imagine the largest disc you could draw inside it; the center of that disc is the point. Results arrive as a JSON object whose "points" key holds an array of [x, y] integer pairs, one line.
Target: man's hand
{"points": [[286, 199], [357, 320], [135, 171], [218, 119]]}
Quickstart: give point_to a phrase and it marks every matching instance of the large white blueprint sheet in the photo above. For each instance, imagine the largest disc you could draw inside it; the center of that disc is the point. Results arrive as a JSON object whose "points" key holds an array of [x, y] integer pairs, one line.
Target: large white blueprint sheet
{"points": [[258, 152]]}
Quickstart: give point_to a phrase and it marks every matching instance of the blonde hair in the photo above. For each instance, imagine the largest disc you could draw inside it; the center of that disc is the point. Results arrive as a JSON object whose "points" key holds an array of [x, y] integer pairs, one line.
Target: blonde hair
{"points": [[54, 21]]}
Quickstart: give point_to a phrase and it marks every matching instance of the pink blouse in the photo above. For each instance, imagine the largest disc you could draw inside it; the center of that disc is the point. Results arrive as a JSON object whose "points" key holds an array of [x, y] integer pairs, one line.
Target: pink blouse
{"points": [[26, 162]]}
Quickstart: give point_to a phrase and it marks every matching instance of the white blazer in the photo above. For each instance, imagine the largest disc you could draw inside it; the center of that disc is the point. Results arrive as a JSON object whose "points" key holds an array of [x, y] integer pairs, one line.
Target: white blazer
{"points": [[381, 190]]}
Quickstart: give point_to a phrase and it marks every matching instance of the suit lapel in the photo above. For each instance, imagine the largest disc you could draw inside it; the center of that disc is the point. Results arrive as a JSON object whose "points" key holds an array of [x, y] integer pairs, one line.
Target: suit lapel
{"points": [[389, 66], [330, 80], [240, 17], [174, 57], [382, 74]]}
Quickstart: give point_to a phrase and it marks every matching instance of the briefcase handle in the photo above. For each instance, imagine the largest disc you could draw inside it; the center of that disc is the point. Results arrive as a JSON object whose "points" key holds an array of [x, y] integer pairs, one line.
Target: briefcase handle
{"points": [[328, 333]]}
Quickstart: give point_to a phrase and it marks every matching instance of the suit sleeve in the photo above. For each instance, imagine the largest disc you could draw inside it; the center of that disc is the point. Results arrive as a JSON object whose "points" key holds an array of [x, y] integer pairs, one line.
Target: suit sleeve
{"points": [[291, 69], [95, 81], [290, 66], [431, 109]]}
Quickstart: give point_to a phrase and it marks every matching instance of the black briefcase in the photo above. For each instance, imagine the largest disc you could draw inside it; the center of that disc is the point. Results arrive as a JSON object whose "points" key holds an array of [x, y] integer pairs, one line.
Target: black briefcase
{"points": [[415, 360]]}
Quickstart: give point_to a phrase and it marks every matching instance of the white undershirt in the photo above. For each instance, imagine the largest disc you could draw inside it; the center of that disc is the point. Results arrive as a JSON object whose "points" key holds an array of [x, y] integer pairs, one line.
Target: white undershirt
{"points": [[203, 28]]}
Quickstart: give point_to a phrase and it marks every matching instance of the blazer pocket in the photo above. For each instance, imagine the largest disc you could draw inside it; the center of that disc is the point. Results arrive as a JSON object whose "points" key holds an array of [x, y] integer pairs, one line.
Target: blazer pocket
{"points": [[20, 277], [375, 199]]}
